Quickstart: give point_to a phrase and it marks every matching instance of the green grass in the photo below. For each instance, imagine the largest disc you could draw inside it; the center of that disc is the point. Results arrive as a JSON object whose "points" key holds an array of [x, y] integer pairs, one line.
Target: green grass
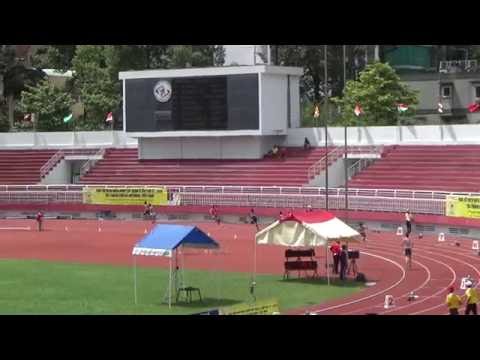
{"points": [[39, 287]]}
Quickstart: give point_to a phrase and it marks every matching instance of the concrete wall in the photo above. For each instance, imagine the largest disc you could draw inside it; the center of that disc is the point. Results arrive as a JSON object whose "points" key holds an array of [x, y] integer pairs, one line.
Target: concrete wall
{"points": [[60, 174], [388, 135], [274, 96], [336, 174], [274, 103], [295, 102], [244, 147], [65, 140]]}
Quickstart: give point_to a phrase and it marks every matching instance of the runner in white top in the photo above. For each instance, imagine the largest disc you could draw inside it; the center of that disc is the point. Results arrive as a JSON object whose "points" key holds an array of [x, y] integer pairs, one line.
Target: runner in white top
{"points": [[407, 248], [408, 222]]}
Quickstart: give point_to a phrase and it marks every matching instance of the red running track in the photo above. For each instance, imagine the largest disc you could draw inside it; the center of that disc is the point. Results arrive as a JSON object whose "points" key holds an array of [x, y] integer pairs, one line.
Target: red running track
{"points": [[436, 265]]}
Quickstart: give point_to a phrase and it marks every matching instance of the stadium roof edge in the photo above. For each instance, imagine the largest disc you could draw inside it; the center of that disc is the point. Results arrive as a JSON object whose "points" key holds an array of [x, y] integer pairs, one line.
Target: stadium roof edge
{"points": [[211, 71]]}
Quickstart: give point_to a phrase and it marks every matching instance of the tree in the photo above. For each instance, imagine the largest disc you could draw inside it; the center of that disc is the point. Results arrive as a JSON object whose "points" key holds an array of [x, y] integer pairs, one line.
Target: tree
{"points": [[219, 55], [93, 81], [378, 91], [311, 58], [49, 103], [15, 80], [182, 56], [58, 57]]}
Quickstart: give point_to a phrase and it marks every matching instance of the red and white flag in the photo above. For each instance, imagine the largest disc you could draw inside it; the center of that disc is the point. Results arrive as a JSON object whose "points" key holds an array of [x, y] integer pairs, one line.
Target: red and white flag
{"points": [[474, 107], [402, 108], [358, 110], [109, 118], [440, 107]]}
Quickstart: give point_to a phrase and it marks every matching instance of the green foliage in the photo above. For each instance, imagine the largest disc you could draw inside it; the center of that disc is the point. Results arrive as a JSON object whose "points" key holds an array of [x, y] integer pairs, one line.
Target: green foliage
{"points": [[182, 56], [97, 90], [58, 57], [4, 124], [219, 55], [378, 91], [49, 103], [7, 58], [327, 113]]}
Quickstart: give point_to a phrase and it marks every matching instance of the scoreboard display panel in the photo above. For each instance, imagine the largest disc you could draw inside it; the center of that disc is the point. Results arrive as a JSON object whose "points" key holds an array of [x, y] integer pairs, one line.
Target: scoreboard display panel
{"points": [[227, 102]]}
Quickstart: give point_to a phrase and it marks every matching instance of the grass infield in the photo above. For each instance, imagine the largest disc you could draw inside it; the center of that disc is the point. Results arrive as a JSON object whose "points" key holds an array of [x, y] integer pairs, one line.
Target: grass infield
{"points": [[40, 287]]}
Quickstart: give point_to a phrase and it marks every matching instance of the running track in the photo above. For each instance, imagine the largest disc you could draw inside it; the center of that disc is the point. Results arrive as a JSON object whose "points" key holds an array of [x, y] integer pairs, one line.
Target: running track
{"points": [[436, 265]]}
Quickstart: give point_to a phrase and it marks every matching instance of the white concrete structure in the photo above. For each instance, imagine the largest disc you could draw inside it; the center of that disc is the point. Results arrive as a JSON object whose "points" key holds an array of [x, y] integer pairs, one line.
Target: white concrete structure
{"points": [[278, 110], [357, 136], [240, 55], [66, 140], [388, 135]]}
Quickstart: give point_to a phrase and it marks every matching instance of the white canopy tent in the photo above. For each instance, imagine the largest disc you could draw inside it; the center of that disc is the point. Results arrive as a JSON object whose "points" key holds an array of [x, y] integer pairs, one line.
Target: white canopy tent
{"points": [[307, 229]]}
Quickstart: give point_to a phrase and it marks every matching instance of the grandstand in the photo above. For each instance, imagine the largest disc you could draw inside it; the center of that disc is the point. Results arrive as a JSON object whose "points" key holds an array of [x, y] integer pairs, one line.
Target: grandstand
{"points": [[122, 166], [424, 167], [22, 167]]}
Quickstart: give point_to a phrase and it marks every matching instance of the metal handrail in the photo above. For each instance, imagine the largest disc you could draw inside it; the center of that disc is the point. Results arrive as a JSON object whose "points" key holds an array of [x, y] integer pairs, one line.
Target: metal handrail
{"points": [[358, 166], [92, 162], [50, 164], [282, 190], [316, 168]]}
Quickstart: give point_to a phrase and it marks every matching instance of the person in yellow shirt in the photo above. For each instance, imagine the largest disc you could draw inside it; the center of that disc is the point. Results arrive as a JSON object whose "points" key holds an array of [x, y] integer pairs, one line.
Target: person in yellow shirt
{"points": [[471, 297], [453, 301]]}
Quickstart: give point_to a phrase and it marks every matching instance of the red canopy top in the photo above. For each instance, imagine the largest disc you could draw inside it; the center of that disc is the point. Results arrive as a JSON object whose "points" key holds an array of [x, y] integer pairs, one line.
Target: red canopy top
{"points": [[313, 217]]}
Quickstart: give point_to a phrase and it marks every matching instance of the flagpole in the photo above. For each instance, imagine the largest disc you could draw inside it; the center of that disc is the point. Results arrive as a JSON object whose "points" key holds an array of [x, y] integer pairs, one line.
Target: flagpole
{"points": [[345, 160], [326, 126]]}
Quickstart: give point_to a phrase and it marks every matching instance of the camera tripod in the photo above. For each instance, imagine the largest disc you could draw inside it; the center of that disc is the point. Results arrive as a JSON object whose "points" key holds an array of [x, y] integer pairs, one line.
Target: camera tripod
{"points": [[352, 267]]}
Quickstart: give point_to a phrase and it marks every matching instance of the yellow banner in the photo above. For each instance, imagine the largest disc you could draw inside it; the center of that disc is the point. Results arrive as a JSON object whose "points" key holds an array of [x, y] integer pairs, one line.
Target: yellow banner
{"points": [[463, 206], [261, 307], [125, 196]]}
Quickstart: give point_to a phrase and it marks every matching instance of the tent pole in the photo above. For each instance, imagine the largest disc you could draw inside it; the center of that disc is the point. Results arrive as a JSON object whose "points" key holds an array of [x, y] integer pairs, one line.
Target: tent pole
{"points": [[255, 259], [135, 278], [328, 267], [170, 286]]}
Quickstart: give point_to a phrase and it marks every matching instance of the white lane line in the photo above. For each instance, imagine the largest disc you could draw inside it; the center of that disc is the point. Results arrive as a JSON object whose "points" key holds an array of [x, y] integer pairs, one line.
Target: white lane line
{"points": [[443, 290], [380, 305], [372, 295], [427, 297]]}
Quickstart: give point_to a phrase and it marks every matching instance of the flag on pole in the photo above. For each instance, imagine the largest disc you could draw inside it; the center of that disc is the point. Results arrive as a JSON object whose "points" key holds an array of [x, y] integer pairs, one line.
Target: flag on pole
{"points": [[358, 110], [402, 108], [316, 114], [474, 107], [68, 118], [27, 117], [109, 118], [440, 107]]}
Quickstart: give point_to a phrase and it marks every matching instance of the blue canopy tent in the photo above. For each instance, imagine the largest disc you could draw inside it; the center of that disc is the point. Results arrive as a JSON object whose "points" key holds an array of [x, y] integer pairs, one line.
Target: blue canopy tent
{"points": [[165, 240]]}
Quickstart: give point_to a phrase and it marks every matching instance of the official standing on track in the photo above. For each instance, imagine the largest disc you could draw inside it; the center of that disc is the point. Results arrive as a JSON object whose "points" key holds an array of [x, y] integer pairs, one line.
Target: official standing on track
{"points": [[39, 219], [336, 250], [471, 299], [453, 301], [343, 262]]}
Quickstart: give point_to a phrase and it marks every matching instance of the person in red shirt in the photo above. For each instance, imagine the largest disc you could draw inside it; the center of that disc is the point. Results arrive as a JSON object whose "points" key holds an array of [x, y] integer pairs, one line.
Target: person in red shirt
{"points": [[214, 214], [336, 250], [39, 219]]}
